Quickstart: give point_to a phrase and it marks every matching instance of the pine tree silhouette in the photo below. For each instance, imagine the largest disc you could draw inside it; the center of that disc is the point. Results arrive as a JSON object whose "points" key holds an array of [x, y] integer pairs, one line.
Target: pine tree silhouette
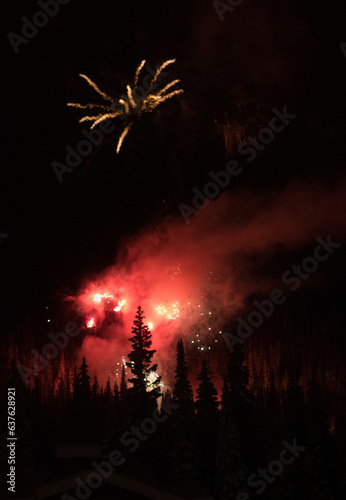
{"points": [[95, 388], [123, 384], [242, 400], [274, 435], [97, 413], [84, 381], [83, 423], [111, 411], [207, 424], [238, 376], [107, 395], [295, 418], [317, 459], [125, 407], [230, 470], [145, 392], [184, 447]]}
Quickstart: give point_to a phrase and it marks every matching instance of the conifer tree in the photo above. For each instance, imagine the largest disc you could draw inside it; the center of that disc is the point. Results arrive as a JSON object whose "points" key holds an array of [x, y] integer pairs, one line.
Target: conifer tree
{"points": [[238, 376], [240, 399], [116, 406], [84, 381], [295, 418], [184, 446], [125, 410], [97, 413], [274, 435], [75, 383], [207, 424], [230, 469], [123, 384], [317, 459], [111, 411], [95, 388], [83, 421], [145, 392], [107, 396]]}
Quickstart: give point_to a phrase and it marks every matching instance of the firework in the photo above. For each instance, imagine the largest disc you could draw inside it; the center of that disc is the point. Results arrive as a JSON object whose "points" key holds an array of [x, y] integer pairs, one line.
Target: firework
{"points": [[98, 297], [91, 323], [151, 378], [120, 305], [130, 106], [171, 312]]}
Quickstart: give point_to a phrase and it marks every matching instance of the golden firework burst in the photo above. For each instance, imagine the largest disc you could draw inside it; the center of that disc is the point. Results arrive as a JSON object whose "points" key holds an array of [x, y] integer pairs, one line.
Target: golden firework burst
{"points": [[130, 105]]}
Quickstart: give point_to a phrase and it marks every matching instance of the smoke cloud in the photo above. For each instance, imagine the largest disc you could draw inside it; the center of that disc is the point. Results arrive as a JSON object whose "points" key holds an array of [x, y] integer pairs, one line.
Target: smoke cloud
{"points": [[198, 275]]}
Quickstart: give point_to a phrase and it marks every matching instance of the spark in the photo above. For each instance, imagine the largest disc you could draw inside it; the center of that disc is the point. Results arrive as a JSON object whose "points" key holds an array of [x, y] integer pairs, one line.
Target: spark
{"points": [[150, 325], [151, 378], [122, 137], [91, 323], [131, 105], [138, 70], [95, 87], [170, 312], [120, 305], [98, 297]]}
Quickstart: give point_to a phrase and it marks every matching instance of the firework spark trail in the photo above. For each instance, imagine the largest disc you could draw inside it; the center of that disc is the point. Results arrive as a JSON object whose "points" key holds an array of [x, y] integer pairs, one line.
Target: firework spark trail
{"points": [[86, 106], [122, 137], [160, 69], [126, 105], [129, 95], [100, 118], [95, 87], [139, 69], [133, 106], [106, 117]]}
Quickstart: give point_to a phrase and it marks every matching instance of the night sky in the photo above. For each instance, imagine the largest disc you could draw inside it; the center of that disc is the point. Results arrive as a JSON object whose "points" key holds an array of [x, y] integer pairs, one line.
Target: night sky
{"points": [[263, 55], [204, 262]]}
